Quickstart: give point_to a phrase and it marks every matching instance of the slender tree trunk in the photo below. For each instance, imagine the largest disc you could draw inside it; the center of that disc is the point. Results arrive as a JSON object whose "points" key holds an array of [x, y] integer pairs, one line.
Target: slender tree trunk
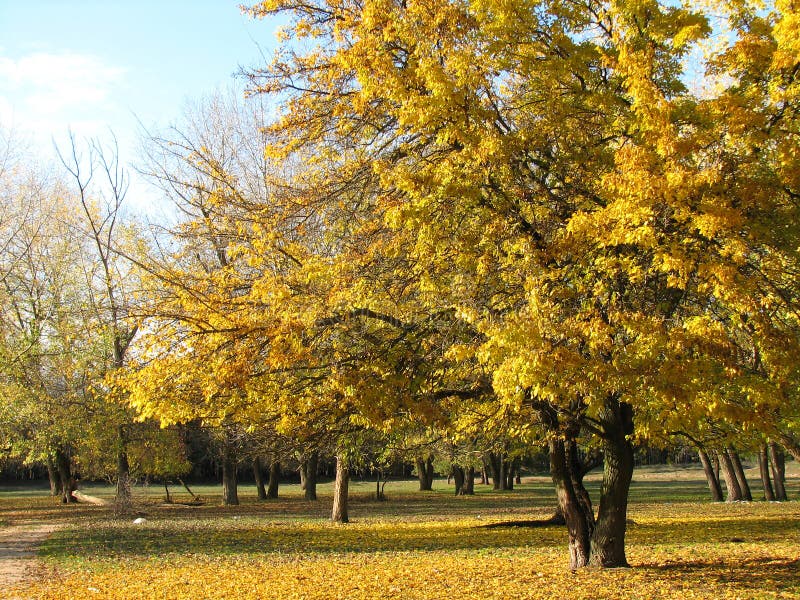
{"points": [[510, 472], [123, 500], [311, 465], [429, 471], [713, 483], [608, 539], [274, 479], [778, 461], [496, 467], [763, 469], [729, 475], [484, 474], [340, 495], [230, 492], [468, 489], [302, 471], [258, 475], [67, 481], [740, 477], [52, 476]]}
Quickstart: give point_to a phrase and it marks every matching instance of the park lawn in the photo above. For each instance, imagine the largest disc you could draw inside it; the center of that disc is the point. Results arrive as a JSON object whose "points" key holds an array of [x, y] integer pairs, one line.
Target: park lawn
{"points": [[415, 545]]}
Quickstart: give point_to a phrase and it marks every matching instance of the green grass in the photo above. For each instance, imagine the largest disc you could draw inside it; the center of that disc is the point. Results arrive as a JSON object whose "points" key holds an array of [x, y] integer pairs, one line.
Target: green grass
{"points": [[415, 545]]}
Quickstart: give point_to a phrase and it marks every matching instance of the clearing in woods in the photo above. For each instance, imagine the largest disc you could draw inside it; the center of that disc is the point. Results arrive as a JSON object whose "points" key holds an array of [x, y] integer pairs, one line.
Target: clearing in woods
{"points": [[414, 545]]}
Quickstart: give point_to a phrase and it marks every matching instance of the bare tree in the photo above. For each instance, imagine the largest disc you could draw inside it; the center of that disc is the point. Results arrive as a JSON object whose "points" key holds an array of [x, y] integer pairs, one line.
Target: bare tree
{"points": [[102, 184]]}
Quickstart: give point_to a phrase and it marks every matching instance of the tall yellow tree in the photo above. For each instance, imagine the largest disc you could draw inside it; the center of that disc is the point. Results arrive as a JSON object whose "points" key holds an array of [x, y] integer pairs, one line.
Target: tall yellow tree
{"points": [[548, 177]]}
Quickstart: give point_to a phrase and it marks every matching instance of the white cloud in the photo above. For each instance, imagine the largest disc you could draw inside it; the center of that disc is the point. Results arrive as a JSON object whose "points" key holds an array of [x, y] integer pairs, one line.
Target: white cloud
{"points": [[46, 91]]}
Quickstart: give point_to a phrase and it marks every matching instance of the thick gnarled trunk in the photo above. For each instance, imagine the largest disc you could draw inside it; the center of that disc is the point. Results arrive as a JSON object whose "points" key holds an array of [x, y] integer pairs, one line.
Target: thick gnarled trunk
{"points": [[579, 522], [608, 539], [66, 480], [425, 472]]}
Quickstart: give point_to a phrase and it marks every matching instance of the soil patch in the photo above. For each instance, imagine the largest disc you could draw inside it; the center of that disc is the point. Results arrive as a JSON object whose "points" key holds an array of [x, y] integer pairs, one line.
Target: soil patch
{"points": [[18, 564]]}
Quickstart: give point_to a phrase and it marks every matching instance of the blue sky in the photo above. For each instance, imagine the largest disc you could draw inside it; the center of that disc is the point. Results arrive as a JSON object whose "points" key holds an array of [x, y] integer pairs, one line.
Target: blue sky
{"points": [[91, 65]]}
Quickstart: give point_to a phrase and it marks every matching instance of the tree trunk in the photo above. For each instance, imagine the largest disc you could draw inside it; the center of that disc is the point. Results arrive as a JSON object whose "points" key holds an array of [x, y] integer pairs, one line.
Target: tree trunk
{"points": [[67, 481], [123, 500], [739, 470], [608, 539], [311, 465], [496, 467], [339, 512], [468, 489], [425, 473], [458, 477], [230, 492], [578, 471], [763, 468], [713, 483], [572, 510], [510, 472], [778, 461], [274, 479], [429, 471], [484, 474], [52, 476], [258, 475], [729, 475]]}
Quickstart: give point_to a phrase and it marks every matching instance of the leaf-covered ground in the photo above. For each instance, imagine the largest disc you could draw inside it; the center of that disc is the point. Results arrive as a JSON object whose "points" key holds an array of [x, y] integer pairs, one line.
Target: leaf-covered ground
{"points": [[416, 545]]}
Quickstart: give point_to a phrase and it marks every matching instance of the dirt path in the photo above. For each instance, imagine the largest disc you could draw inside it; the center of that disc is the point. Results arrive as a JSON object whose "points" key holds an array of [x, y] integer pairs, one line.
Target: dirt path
{"points": [[18, 544]]}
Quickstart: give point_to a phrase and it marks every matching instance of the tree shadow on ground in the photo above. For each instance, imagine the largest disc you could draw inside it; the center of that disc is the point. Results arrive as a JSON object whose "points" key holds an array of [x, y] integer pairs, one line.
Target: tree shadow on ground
{"points": [[757, 575]]}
